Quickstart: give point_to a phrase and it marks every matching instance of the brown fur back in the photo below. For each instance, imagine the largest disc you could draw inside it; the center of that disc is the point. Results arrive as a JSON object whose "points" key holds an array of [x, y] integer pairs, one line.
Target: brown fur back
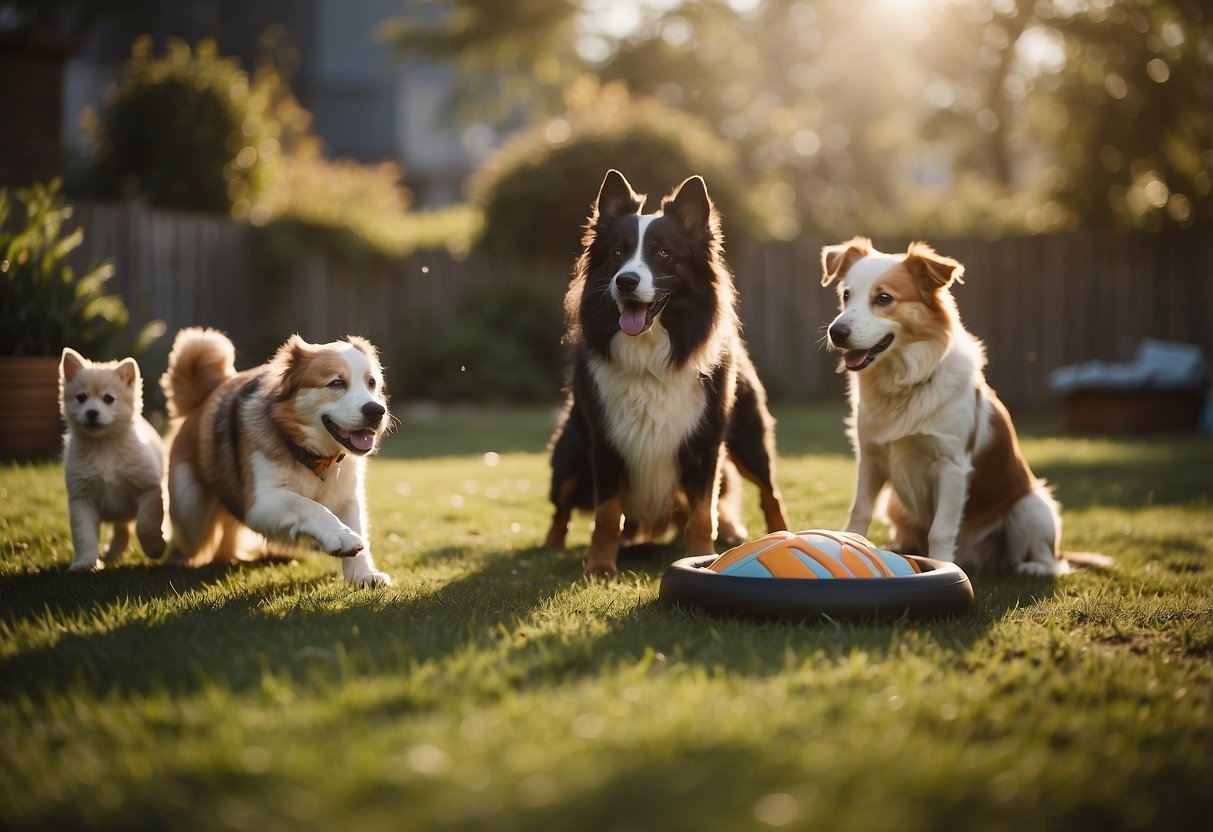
{"points": [[201, 360], [1001, 476]]}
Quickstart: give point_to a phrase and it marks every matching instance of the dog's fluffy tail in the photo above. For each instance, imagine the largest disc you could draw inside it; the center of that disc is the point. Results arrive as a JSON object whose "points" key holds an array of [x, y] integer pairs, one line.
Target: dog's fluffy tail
{"points": [[201, 360]]}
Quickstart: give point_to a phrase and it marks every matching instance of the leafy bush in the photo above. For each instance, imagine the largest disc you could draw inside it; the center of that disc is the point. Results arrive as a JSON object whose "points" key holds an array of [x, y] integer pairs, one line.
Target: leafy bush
{"points": [[537, 190], [504, 345], [44, 306], [358, 206], [191, 130]]}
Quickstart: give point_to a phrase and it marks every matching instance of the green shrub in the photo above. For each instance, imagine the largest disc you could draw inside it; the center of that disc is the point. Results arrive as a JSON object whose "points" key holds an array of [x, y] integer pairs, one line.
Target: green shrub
{"points": [[504, 345], [44, 306], [191, 130], [537, 190], [361, 207]]}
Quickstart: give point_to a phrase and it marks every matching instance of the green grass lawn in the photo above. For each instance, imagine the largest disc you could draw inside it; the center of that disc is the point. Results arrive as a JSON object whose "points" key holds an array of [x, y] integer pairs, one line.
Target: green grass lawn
{"points": [[493, 688]]}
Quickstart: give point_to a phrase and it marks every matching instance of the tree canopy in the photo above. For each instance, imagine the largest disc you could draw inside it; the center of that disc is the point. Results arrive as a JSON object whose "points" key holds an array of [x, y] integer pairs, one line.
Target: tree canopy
{"points": [[885, 116]]}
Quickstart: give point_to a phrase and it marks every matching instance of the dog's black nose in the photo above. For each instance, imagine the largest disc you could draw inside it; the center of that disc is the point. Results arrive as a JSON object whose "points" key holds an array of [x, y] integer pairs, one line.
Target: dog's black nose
{"points": [[91, 414], [627, 282], [840, 333], [373, 412]]}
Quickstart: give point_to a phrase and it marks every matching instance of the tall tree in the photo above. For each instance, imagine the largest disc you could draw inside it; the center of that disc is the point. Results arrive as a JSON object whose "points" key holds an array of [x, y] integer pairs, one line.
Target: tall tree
{"points": [[509, 57], [916, 118]]}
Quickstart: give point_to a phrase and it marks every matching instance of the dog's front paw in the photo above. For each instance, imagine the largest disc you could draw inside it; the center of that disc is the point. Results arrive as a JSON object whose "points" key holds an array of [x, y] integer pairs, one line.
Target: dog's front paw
{"points": [[367, 580], [86, 566], [344, 544], [601, 561], [730, 534]]}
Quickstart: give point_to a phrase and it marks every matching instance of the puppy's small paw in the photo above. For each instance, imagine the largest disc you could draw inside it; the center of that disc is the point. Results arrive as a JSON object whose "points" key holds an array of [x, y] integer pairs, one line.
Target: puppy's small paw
{"points": [[86, 566], [154, 548], [345, 544], [368, 580]]}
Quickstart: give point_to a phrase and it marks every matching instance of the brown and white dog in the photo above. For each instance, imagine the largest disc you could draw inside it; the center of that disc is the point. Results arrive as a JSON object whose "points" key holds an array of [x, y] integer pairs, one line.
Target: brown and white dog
{"points": [[924, 421], [280, 449]]}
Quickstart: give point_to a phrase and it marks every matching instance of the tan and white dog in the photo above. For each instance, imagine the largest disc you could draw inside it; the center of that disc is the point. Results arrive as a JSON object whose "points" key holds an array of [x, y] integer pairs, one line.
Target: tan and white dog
{"points": [[280, 449], [924, 421], [113, 460]]}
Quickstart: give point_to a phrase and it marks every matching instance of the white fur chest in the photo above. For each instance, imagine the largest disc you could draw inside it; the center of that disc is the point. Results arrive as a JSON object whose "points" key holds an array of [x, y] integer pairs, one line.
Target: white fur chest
{"points": [[333, 488], [112, 473], [107, 490], [651, 409]]}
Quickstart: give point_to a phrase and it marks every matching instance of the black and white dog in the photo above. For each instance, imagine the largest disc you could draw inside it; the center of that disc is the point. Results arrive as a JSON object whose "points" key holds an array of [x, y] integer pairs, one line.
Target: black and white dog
{"points": [[665, 407]]}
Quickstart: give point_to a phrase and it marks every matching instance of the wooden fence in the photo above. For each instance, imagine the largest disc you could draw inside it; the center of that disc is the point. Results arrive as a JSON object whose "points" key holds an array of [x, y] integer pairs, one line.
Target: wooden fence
{"points": [[1037, 302]]}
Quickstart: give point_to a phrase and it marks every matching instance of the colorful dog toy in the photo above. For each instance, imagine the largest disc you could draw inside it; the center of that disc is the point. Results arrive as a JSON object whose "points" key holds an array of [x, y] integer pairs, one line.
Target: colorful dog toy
{"points": [[814, 574]]}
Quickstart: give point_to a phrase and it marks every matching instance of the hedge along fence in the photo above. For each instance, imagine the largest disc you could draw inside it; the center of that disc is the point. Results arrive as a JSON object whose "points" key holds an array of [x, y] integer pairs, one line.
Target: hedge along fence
{"points": [[1038, 302]]}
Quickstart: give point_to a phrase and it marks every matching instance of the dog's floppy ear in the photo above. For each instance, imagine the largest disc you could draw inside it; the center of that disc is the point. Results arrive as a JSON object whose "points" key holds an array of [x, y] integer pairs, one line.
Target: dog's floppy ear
{"points": [[692, 208], [835, 260], [289, 365], [939, 271], [128, 371], [70, 363], [615, 199]]}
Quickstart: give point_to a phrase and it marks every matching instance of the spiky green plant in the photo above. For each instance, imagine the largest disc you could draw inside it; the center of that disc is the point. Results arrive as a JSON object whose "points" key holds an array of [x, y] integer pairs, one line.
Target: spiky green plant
{"points": [[44, 305]]}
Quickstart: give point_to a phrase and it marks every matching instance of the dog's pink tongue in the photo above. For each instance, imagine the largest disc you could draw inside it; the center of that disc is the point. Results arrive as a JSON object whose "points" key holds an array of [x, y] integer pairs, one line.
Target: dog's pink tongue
{"points": [[855, 358], [363, 441], [632, 321]]}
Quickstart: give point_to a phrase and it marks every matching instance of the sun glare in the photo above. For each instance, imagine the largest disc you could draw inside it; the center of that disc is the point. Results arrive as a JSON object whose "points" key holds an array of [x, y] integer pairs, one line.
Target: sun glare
{"points": [[910, 5]]}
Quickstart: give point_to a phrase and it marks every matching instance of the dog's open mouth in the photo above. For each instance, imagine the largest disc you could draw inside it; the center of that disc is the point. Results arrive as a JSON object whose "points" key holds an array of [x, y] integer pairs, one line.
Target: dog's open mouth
{"points": [[355, 441], [856, 360], [635, 317]]}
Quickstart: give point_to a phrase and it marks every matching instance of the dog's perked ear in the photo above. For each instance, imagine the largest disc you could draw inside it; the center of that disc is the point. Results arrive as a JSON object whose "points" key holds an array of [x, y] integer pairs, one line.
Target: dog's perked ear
{"points": [[835, 260], [289, 363], [128, 371], [935, 269], [70, 363], [615, 199], [691, 207]]}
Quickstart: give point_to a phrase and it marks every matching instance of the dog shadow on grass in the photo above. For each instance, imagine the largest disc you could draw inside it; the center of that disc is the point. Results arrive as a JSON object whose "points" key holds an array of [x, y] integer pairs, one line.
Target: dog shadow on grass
{"points": [[177, 629], [543, 585], [652, 631], [150, 627]]}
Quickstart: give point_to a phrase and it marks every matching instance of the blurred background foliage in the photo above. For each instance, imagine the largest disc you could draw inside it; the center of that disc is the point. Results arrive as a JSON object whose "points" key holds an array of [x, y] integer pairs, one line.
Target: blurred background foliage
{"points": [[44, 304], [829, 117], [890, 117], [500, 346], [193, 130], [536, 190]]}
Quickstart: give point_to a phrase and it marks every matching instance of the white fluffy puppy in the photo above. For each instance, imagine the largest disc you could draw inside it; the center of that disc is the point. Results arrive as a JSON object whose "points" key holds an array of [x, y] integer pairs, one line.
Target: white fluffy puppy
{"points": [[113, 459]]}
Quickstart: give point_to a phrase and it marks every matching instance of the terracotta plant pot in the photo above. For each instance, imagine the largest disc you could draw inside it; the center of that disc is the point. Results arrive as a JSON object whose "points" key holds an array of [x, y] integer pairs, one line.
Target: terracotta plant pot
{"points": [[29, 419]]}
